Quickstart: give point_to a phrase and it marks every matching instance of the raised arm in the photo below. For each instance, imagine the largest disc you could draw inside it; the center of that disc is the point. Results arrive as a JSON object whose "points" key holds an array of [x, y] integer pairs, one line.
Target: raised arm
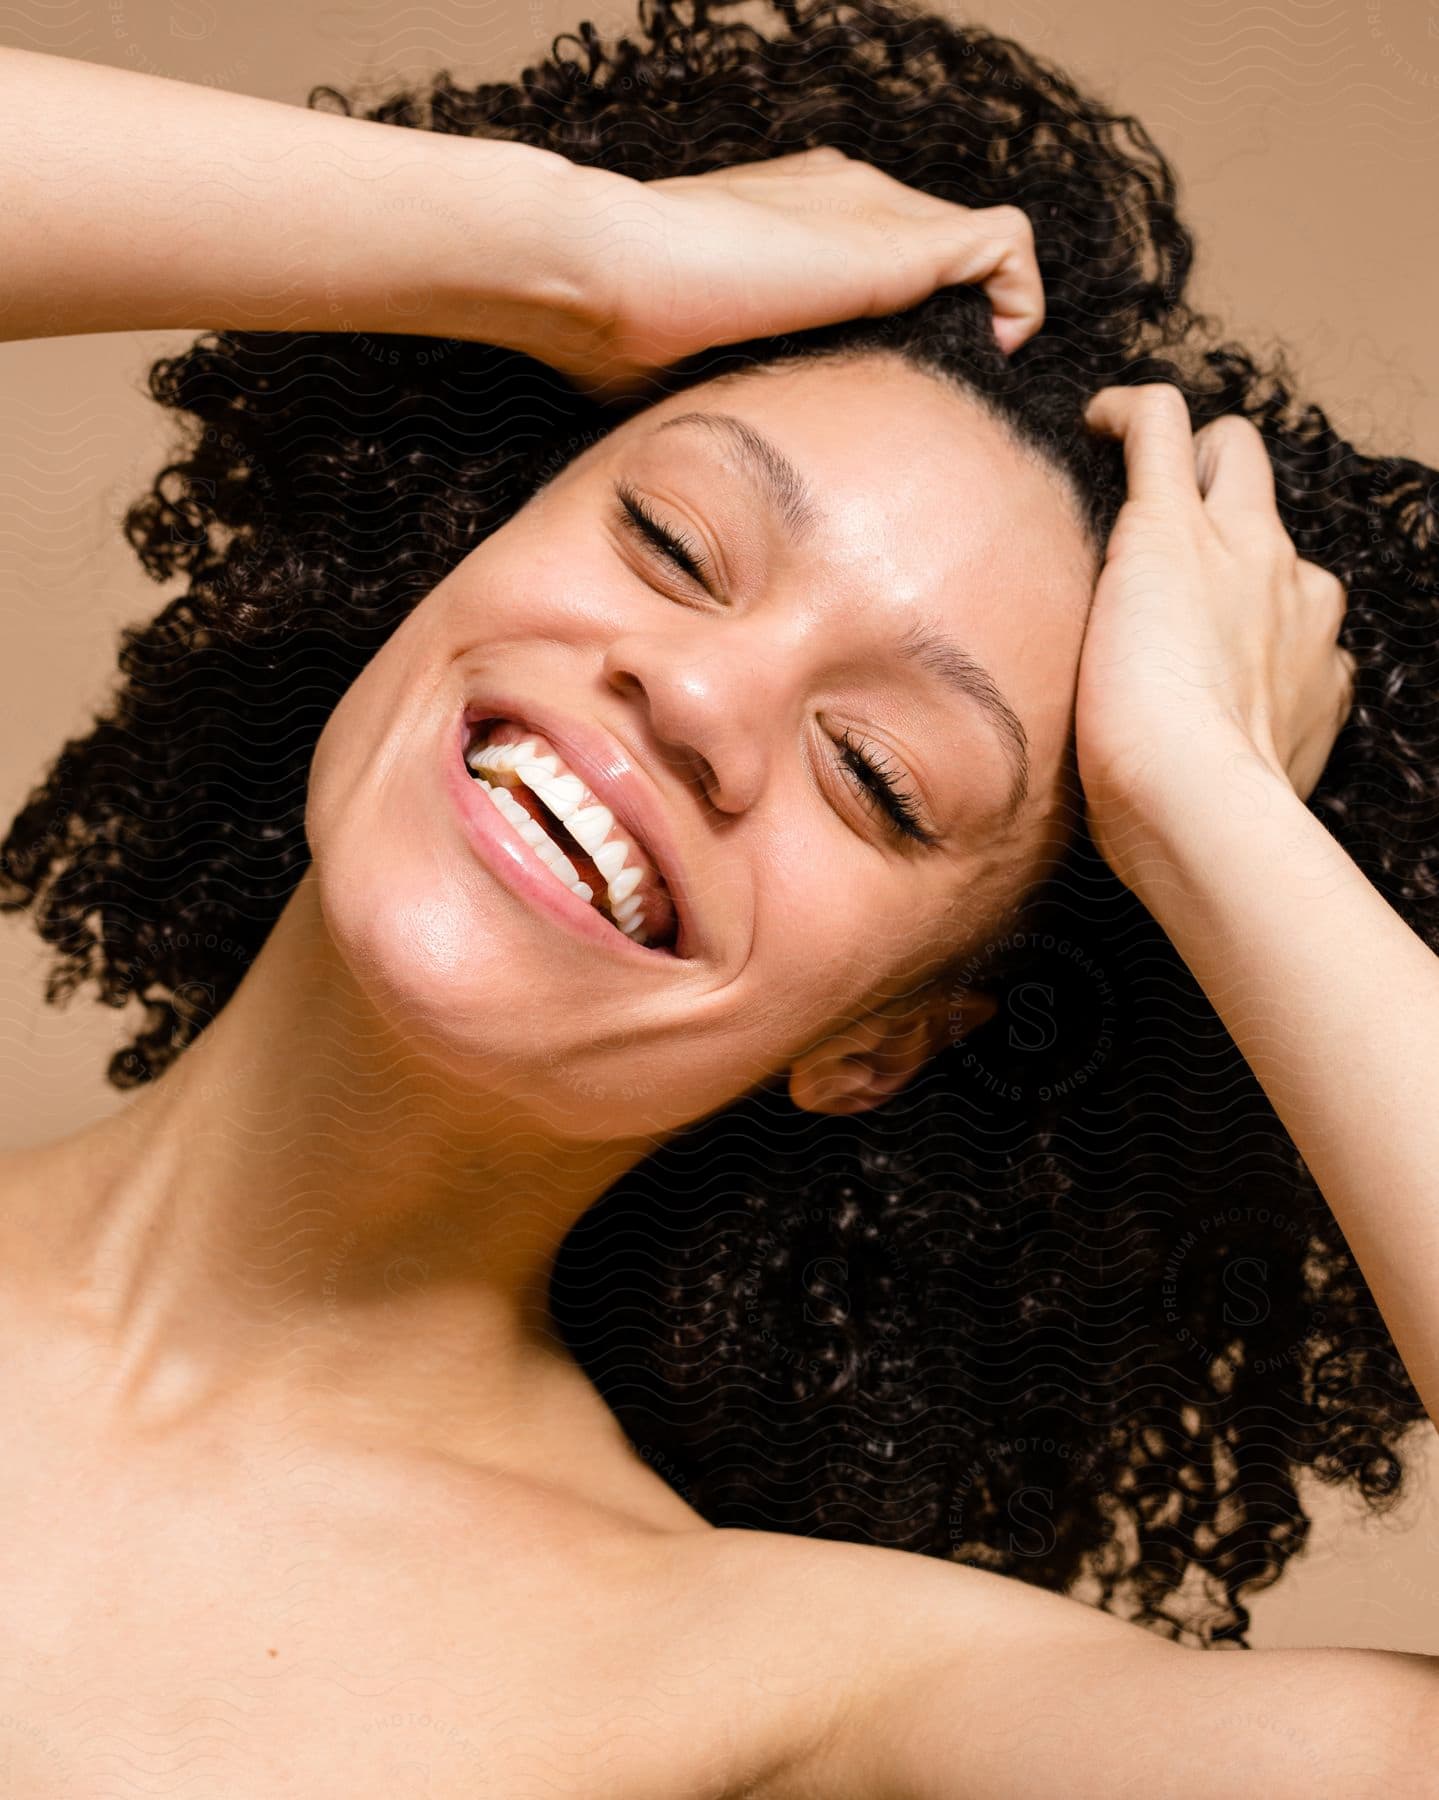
{"points": [[882, 1675], [1211, 691], [1212, 688], [134, 201], [1048, 1697]]}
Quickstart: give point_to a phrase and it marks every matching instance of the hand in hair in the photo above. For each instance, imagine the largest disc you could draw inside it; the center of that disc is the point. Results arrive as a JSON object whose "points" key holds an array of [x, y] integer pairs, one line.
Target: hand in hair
{"points": [[781, 244], [1210, 638], [1212, 690]]}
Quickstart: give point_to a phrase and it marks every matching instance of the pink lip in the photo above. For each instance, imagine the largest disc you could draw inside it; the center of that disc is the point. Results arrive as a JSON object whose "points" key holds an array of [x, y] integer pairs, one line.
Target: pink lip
{"points": [[507, 854], [608, 773]]}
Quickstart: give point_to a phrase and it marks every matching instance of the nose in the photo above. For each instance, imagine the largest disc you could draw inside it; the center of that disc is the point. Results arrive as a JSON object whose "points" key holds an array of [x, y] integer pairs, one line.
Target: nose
{"points": [[709, 703]]}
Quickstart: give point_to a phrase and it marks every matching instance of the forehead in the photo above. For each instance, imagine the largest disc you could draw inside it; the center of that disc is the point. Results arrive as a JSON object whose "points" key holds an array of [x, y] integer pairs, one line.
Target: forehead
{"points": [[926, 519], [927, 507], [920, 487]]}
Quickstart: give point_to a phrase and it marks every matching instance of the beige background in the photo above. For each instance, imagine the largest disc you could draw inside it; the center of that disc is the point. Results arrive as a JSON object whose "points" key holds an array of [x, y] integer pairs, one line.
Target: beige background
{"points": [[1306, 138]]}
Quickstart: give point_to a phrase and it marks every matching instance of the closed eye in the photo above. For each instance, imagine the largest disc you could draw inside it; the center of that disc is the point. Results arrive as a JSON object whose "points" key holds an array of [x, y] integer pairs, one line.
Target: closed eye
{"points": [[680, 550], [873, 779]]}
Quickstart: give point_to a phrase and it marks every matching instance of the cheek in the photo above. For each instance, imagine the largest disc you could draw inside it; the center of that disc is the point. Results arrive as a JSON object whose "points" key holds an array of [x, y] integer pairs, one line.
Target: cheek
{"points": [[834, 887], [546, 571], [838, 921], [829, 917], [394, 700]]}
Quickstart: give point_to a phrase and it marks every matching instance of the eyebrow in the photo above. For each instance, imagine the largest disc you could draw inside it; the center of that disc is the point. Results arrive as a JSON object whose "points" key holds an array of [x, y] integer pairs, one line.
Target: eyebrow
{"points": [[925, 643], [933, 649], [767, 467]]}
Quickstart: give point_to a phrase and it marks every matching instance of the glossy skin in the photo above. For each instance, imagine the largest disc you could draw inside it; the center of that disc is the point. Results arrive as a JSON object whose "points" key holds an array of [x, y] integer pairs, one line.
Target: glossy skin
{"points": [[276, 1334], [304, 1498], [334, 1501], [427, 1080], [322, 1238], [807, 913]]}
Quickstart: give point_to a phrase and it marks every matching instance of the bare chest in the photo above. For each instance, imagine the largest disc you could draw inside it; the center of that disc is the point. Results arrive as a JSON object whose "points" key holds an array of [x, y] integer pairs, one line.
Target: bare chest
{"points": [[304, 1625]]}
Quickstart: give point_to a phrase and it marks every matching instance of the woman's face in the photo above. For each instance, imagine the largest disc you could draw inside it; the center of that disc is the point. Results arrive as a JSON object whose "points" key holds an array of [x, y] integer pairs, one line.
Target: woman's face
{"points": [[719, 715]]}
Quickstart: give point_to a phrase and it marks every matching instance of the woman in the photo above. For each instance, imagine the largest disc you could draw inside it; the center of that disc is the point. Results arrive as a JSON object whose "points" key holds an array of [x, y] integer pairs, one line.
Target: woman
{"points": [[610, 494]]}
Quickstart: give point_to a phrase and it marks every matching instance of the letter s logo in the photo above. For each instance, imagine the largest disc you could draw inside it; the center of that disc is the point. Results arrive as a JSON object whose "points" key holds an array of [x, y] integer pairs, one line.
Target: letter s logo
{"points": [[1253, 1299], [1040, 1529], [1040, 1019], [825, 1293]]}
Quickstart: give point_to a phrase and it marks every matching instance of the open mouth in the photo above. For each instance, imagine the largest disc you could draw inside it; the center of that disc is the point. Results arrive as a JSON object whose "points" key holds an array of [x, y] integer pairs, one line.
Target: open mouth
{"points": [[572, 833]]}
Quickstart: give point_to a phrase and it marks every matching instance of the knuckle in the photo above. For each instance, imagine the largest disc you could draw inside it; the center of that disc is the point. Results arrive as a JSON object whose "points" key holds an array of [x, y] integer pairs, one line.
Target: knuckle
{"points": [[1230, 428], [863, 170], [1322, 585], [1163, 399], [1014, 221]]}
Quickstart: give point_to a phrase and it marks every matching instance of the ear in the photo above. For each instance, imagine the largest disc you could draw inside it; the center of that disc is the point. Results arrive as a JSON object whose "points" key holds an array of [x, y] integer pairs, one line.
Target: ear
{"points": [[865, 1063]]}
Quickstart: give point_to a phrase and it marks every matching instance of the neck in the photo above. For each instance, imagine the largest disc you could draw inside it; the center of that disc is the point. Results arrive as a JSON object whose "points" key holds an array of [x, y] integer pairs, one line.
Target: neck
{"points": [[303, 1205]]}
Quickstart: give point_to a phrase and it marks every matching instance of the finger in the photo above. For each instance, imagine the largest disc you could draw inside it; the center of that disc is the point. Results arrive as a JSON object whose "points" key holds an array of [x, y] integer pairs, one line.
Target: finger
{"points": [[1152, 420], [994, 246], [1233, 468]]}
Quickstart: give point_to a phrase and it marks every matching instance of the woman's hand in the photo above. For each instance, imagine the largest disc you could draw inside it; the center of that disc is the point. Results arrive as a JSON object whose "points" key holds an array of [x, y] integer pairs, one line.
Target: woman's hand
{"points": [[1211, 690], [416, 232], [1209, 638], [754, 249]]}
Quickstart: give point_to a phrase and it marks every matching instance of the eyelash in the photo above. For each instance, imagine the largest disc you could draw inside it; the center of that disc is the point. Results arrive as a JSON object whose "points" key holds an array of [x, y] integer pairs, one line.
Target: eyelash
{"points": [[679, 549], [866, 772], [876, 783]]}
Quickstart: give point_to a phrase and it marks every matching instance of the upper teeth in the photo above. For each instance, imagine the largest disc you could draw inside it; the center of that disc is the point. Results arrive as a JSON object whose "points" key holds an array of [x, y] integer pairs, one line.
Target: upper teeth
{"points": [[590, 824]]}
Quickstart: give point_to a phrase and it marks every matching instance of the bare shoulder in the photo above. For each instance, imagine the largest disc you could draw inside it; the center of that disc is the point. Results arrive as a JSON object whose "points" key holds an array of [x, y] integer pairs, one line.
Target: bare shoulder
{"points": [[891, 1676]]}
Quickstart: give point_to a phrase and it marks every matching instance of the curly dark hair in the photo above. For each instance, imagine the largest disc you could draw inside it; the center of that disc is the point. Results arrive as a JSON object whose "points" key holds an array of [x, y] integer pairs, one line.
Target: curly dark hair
{"points": [[1070, 1306]]}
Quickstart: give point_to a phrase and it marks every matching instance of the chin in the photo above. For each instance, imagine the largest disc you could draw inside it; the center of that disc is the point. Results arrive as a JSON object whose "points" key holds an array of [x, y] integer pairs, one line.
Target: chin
{"points": [[437, 955], [450, 993], [415, 950]]}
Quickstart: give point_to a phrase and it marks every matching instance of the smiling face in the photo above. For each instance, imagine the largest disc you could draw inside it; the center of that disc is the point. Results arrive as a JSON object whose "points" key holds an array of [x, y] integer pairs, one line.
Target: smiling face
{"points": [[869, 567]]}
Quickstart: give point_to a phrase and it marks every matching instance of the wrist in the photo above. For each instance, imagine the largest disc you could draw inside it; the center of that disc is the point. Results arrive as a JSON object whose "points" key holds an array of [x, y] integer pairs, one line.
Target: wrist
{"points": [[515, 220], [1223, 837], [1186, 801]]}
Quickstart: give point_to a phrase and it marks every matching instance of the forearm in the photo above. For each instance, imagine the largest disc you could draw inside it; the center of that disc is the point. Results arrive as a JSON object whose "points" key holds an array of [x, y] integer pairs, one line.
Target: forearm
{"points": [[1334, 1003], [132, 201]]}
